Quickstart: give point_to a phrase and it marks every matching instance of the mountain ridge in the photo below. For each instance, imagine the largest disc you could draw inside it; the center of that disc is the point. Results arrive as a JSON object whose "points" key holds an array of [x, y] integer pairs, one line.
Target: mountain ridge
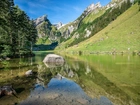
{"points": [[120, 36], [95, 22], [91, 22]]}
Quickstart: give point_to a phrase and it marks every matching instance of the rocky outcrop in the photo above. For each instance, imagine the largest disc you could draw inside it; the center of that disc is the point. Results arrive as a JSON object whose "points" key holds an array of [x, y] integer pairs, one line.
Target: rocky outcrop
{"points": [[64, 32], [46, 31], [88, 32], [67, 31], [40, 20], [93, 7], [69, 28], [59, 25]]}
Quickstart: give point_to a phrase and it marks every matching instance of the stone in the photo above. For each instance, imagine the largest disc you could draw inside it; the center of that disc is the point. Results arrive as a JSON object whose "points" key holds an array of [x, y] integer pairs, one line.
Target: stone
{"points": [[7, 58], [82, 101], [1, 59], [53, 96], [53, 58], [7, 90], [29, 72]]}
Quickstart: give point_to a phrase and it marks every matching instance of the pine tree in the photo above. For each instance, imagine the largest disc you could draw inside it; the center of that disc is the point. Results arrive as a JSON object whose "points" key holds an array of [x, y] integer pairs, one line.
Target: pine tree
{"points": [[17, 32], [4, 28]]}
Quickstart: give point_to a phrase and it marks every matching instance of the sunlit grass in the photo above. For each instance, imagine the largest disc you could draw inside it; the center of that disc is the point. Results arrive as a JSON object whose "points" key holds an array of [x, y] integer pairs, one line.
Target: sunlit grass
{"points": [[92, 16], [119, 74], [123, 34]]}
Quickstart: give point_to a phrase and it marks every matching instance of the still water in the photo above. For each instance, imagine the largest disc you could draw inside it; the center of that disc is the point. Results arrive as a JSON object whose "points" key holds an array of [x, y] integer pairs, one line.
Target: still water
{"points": [[82, 80]]}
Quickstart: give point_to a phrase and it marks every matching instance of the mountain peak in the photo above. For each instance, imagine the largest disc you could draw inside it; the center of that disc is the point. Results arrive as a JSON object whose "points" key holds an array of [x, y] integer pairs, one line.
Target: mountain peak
{"points": [[40, 19], [93, 7]]}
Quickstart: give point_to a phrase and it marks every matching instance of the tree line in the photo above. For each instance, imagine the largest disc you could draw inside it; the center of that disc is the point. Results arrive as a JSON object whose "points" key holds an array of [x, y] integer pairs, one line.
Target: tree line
{"points": [[17, 31]]}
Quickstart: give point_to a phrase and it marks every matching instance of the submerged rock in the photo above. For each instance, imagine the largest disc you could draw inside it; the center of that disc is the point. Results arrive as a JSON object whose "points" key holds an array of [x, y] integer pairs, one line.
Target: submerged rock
{"points": [[53, 96], [82, 101]]}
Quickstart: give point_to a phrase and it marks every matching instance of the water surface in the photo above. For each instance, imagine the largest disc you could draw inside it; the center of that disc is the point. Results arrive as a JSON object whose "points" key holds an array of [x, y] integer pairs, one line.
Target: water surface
{"points": [[86, 79]]}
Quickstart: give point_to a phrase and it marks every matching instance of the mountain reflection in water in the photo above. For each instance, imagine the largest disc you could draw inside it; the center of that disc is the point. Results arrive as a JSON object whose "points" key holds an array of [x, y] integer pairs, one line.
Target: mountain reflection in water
{"points": [[61, 92], [82, 80]]}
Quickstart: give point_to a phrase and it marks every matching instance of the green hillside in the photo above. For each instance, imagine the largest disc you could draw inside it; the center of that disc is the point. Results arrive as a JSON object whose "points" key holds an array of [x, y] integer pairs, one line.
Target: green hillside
{"points": [[88, 19], [91, 17], [121, 35]]}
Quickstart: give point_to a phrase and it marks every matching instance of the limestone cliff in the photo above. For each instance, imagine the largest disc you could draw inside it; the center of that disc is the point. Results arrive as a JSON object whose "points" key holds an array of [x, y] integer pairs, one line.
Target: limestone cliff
{"points": [[68, 29], [47, 33]]}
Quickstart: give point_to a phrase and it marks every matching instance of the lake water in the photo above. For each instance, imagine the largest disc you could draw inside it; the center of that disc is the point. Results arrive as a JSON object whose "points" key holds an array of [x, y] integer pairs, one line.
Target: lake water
{"points": [[82, 80]]}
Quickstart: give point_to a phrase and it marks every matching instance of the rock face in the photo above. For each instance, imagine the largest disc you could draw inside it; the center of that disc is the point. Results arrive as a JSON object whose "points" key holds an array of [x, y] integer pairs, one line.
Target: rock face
{"points": [[68, 29], [93, 7], [53, 58], [46, 32], [58, 25], [43, 26], [40, 20]]}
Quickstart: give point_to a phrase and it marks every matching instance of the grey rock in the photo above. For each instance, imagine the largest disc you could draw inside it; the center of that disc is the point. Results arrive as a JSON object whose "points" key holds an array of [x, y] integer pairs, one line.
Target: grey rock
{"points": [[29, 72], [7, 90], [40, 20], [53, 58], [82, 101]]}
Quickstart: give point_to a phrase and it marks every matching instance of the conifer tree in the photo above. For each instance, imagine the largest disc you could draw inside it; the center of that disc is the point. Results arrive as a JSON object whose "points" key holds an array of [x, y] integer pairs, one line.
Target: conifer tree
{"points": [[17, 32]]}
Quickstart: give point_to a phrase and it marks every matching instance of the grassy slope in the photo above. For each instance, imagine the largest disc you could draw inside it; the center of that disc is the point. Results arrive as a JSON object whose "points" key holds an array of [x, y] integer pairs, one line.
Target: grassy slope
{"points": [[92, 16], [89, 18], [40, 41], [121, 34], [125, 83]]}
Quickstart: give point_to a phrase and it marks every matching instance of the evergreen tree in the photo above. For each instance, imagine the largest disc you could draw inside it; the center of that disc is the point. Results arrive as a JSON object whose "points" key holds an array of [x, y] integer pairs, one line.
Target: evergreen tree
{"points": [[32, 35], [17, 32], [4, 27]]}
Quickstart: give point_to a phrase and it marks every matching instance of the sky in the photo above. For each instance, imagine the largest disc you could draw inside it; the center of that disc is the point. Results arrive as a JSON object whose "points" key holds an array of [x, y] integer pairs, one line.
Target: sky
{"points": [[64, 11]]}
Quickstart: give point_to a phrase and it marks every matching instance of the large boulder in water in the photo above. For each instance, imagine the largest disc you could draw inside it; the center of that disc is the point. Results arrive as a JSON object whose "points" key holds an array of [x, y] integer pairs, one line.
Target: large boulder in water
{"points": [[54, 59]]}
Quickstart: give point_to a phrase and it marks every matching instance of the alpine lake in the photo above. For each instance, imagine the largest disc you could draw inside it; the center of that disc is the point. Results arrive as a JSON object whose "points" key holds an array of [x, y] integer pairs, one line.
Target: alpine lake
{"points": [[81, 80]]}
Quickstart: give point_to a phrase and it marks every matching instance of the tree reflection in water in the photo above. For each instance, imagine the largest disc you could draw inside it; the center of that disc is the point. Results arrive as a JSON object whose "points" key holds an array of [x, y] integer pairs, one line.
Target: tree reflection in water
{"points": [[92, 82], [84, 81], [53, 88]]}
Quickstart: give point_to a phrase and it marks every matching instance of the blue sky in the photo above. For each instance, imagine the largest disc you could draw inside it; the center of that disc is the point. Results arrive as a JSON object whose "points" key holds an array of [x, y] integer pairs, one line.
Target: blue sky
{"points": [[57, 10]]}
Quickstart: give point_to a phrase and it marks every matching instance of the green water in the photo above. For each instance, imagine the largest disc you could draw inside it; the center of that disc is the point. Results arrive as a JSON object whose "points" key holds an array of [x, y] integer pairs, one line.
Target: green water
{"points": [[114, 77]]}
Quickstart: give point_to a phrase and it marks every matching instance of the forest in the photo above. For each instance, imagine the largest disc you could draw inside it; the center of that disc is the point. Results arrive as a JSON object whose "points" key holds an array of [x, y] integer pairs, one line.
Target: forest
{"points": [[17, 31]]}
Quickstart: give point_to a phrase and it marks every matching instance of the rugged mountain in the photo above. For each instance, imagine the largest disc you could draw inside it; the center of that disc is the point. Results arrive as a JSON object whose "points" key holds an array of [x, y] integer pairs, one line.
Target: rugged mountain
{"points": [[47, 33], [93, 20], [120, 36], [68, 29]]}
